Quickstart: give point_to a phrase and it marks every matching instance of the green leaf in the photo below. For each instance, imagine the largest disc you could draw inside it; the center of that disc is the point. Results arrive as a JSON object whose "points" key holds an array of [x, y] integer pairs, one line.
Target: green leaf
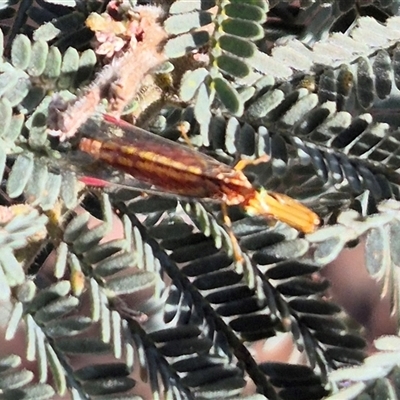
{"points": [[46, 32], [69, 67], [114, 264], [5, 116], [190, 83], [35, 186], [53, 64], [21, 52], [232, 66], [202, 109], [14, 379], [245, 11], [15, 127], [83, 345], [8, 80], [57, 370], [18, 93], [229, 97], [68, 326], [245, 29], [90, 238], [107, 386], [181, 23], [20, 175], [76, 227], [52, 190], [183, 44], [38, 391], [49, 294], [10, 361], [69, 190], [185, 6], [14, 321], [237, 46], [37, 64], [87, 62], [56, 309], [131, 284], [11, 269]]}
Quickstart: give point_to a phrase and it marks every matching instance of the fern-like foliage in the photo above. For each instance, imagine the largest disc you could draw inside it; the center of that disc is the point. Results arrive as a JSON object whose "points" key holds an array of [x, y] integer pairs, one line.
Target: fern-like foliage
{"points": [[107, 293]]}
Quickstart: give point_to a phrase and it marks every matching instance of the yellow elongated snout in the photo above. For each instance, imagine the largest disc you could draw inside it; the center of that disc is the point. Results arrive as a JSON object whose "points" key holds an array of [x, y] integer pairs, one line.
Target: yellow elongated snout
{"points": [[284, 209]]}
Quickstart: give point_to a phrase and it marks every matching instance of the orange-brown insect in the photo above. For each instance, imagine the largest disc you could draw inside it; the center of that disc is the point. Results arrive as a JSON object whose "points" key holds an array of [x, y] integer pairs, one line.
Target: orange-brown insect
{"points": [[179, 170]]}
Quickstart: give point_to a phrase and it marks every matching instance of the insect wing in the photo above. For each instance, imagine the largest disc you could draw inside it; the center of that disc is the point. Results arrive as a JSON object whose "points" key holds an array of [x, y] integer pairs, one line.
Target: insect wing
{"points": [[161, 150], [163, 164]]}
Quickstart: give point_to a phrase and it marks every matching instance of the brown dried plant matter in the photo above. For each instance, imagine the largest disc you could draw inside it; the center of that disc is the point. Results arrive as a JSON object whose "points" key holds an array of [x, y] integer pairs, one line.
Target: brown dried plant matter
{"points": [[132, 46]]}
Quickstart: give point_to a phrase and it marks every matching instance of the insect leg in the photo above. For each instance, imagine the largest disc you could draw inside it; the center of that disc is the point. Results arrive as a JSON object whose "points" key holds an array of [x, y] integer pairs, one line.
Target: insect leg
{"points": [[242, 164]]}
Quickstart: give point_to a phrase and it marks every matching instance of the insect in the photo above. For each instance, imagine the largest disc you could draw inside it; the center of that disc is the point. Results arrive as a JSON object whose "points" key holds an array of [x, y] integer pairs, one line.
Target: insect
{"points": [[179, 170]]}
